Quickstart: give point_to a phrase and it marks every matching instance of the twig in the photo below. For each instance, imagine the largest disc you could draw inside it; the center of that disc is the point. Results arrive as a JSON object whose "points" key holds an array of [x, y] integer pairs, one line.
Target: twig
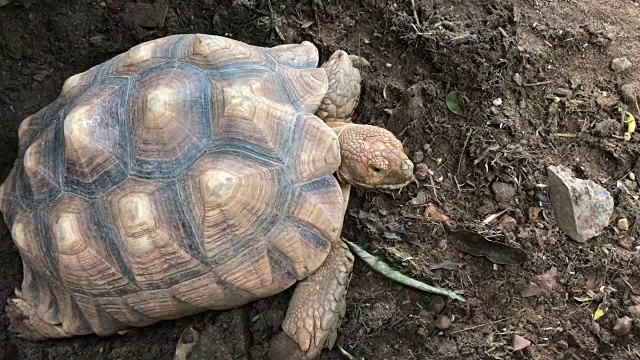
{"points": [[462, 153], [538, 83], [415, 13], [274, 22], [478, 326], [435, 193]]}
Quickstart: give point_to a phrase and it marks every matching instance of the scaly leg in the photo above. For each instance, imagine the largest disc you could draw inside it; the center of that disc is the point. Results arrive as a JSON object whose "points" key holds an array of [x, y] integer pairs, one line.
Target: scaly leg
{"points": [[26, 323], [316, 309], [344, 87]]}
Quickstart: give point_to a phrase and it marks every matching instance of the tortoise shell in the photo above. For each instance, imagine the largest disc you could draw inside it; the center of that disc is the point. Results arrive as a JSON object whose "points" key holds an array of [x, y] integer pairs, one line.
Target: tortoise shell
{"points": [[187, 174]]}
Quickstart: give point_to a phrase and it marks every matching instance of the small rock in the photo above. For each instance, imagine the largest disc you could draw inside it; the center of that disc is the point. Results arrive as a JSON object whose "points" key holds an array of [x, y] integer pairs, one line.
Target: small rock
{"points": [[534, 213], [606, 128], [582, 207], [517, 213], [634, 310], [517, 78], [503, 192], [622, 326], [620, 64], [508, 222], [520, 342], [625, 242], [418, 157], [623, 224], [421, 171], [629, 92], [635, 299], [497, 102], [442, 322], [562, 345], [566, 93], [145, 15], [420, 199]]}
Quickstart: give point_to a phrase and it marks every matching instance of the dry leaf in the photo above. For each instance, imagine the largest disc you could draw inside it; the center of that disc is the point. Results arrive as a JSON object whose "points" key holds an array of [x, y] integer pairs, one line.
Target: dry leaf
{"points": [[599, 312], [306, 24], [476, 245]]}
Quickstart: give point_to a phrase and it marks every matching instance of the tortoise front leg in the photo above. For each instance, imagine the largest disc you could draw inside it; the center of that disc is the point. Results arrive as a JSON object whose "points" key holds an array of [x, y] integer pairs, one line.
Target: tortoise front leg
{"points": [[343, 95], [316, 309]]}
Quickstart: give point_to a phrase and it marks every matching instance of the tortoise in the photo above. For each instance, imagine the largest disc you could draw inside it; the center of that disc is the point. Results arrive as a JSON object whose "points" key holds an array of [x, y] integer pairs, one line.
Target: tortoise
{"points": [[193, 173]]}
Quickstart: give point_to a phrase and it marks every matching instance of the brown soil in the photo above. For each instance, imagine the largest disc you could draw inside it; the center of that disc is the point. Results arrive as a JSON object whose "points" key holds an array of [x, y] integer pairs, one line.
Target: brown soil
{"points": [[521, 51]]}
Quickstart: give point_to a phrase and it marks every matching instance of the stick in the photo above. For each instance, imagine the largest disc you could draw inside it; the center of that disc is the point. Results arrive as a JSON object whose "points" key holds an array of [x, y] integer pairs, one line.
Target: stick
{"points": [[478, 326], [274, 22]]}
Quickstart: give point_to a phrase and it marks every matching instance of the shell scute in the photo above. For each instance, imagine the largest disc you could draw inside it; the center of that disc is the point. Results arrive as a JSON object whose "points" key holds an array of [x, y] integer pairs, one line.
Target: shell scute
{"points": [[149, 237], [95, 136], [170, 112]]}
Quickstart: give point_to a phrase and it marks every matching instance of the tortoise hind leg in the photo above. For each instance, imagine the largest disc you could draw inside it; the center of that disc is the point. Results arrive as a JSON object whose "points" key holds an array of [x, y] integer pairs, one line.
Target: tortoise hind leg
{"points": [[343, 94], [316, 309], [25, 322]]}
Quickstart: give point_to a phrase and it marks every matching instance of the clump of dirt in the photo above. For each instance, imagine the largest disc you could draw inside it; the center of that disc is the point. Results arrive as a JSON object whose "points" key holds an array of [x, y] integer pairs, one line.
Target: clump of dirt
{"points": [[535, 77]]}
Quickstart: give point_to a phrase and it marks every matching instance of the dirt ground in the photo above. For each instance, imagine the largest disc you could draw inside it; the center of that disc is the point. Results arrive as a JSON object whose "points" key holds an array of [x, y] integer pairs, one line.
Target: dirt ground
{"points": [[522, 52]]}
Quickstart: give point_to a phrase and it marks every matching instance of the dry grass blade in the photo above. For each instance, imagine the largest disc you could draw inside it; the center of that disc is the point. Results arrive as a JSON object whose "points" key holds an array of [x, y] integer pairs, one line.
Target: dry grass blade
{"points": [[396, 276], [345, 353]]}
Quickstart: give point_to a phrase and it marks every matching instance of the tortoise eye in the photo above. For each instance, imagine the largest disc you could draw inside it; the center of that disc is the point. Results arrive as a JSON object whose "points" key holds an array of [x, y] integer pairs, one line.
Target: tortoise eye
{"points": [[378, 170]]}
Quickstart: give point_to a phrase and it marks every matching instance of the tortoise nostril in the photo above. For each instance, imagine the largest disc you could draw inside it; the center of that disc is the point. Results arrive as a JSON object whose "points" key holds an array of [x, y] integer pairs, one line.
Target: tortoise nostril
{"points": [[407, 166]]}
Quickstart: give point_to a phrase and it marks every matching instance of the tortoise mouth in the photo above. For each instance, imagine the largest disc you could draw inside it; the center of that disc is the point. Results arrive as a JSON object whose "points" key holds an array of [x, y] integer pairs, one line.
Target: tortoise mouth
{"points": [[385, 186], [394, 186]]}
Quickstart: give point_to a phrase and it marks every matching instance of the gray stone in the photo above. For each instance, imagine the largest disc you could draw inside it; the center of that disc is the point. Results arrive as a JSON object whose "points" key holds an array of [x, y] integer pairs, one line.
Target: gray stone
{"points": [[620, 64], [582, 208], [503, 192], [607, 128]]}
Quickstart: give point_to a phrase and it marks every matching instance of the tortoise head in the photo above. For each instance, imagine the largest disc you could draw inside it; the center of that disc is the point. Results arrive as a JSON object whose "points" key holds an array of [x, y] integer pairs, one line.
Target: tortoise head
{"points": [[372, 157]]}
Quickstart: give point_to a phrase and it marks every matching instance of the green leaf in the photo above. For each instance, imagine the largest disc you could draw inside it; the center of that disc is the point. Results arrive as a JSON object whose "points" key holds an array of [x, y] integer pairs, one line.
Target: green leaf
{"points": [[455, 102], [396, 276]]}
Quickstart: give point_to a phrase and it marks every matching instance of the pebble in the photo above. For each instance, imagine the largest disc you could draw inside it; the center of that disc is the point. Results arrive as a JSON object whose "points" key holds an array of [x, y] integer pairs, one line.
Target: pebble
{"points": [[418, 157], [629, 92], [420, 199], [503, 192], [622, 326], [562, 345], [421, 171], [508, 222], [626, 242], [520, 342], [620, 64], [634, 310], [517, 213], [606, 128], [517, 78], [442, 322], [582, 208], [623, 224], [564, 93]]}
